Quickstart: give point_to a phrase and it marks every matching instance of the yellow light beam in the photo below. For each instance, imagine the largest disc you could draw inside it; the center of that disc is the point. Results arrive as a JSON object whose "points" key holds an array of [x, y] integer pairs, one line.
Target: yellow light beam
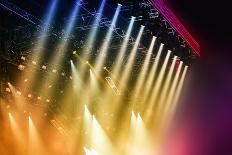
{"points": [[143, 72], [177, 95], [100, 60], [158, 83], [168, 103], [19, 138], [166, 86], [152, 73], [35, 146], [128, 67], [100, 141]]}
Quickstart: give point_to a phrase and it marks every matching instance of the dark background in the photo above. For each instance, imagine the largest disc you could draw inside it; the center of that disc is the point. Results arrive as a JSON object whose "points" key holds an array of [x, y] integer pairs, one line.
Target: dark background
{"points": [[205, 120]]}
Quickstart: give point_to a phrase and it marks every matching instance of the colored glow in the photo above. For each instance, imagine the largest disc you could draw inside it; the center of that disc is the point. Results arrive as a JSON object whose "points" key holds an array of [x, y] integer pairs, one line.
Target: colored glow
{"points": [[72, 19], [51, 12], [35, 145], [176, 24], [17, 133]]}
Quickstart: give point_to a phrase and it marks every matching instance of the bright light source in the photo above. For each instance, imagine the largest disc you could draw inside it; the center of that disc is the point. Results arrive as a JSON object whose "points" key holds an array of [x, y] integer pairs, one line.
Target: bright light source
{"points": [[44, 67], [23, 58], [8, 90], [34, 62], [21, 67], [54, 70], [29, 95], [18, 92]]}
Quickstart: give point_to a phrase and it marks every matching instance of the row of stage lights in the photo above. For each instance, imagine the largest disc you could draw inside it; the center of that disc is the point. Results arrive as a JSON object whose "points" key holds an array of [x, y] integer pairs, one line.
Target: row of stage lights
{"points": [[22, 67], [29, 95]]}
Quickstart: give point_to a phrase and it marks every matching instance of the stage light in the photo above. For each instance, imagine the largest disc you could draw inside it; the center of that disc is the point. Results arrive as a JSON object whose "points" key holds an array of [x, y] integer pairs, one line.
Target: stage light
{"points": [[8, 90], [47, 100], [34, 62], [74, 52], [72, 19], [29, 95], [102, 144], [152, 73], [21, 67], [166, 86], [35, 144], [100, 60], [143, 72], [177, 94], [128, 67], [158, 84], [23, 58], [18, 92], [8, 107], [19, 139], [44, 67], [170, 97], [120, 55], [92, 34]]}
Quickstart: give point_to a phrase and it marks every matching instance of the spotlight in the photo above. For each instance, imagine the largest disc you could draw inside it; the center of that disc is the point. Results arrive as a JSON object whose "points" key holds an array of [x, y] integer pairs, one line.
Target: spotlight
{"points": [[74, 52], [34, 62], [29, 95], [21, 67], [119, 4], [23, 58], [18, 92], [44, 67], [87, 62], [8, 89], [39, 97], [47, 100]]}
